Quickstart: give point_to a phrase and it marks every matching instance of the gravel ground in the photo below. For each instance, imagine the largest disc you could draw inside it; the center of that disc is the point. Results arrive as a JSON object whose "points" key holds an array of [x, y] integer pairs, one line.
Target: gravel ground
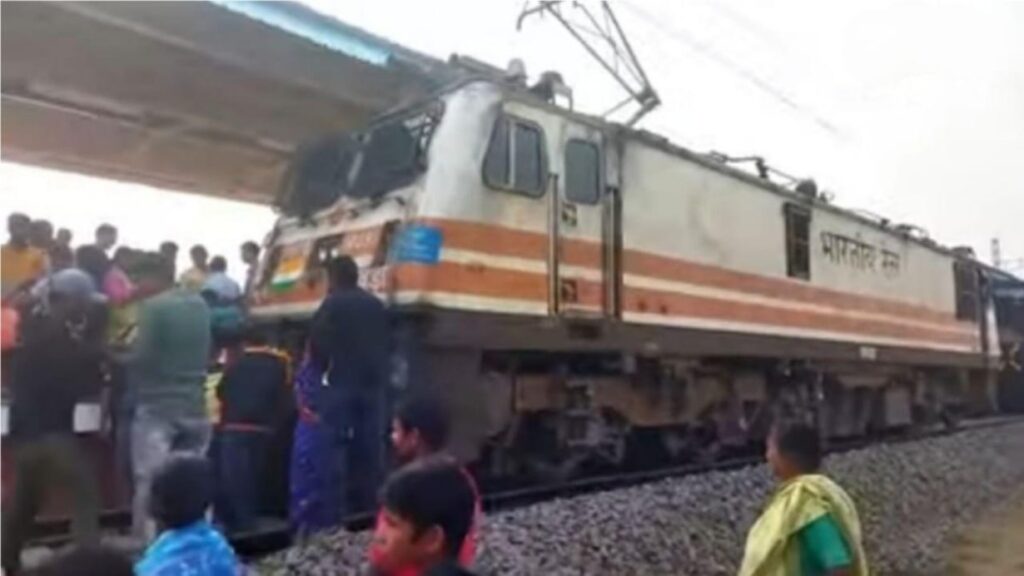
{"points": [[912, 498], [994, 546]]}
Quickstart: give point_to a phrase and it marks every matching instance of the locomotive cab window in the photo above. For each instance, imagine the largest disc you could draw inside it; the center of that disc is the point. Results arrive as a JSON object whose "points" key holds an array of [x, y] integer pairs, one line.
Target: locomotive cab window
{"points": [[965, 284], [324, 250], [798, 241], [582, 172], [515, 157]]}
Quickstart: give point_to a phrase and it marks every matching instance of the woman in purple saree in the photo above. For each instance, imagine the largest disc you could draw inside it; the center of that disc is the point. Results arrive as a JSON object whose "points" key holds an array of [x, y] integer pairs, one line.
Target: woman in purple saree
{"points": [[316, 491]]}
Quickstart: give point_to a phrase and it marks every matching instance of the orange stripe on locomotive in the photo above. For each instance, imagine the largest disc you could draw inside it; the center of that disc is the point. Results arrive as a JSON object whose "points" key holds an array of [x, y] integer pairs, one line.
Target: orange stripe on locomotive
{"points": [[782, 303]]}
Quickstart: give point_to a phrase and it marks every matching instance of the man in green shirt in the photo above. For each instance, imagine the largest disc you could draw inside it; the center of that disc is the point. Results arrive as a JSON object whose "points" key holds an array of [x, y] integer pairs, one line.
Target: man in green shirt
{"points": [[166, 371], [810, 525]]}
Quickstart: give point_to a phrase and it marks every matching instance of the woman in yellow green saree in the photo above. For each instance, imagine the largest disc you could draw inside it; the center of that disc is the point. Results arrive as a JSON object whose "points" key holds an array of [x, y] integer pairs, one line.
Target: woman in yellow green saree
{"points": [[809, 526]]}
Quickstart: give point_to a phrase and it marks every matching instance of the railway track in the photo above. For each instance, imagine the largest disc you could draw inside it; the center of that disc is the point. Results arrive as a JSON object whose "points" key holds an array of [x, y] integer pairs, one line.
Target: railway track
{"points": [[258, 544], [533, 494], [274, 535]]}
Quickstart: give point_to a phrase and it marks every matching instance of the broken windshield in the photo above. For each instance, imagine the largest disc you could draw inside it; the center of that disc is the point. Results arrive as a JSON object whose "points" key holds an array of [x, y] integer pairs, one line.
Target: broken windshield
{"points": [[389, 155]]}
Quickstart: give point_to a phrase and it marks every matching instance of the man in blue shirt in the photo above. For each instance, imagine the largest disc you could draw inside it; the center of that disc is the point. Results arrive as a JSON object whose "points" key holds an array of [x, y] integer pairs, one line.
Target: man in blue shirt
{"points": [[227, 290], [351, 340]]}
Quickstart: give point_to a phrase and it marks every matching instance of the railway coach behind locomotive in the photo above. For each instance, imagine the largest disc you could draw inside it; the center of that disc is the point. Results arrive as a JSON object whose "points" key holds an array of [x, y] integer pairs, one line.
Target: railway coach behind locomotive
{"points": [[577, 289]]}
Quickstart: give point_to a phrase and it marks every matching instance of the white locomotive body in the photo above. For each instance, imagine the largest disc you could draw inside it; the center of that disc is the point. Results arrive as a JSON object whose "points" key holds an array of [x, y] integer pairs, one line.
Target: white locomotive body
{"points": [[551, 271]]}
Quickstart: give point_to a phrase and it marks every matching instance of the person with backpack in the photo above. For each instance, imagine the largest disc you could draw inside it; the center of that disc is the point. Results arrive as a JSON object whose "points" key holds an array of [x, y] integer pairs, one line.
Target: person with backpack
{"points": [[59, 362]]}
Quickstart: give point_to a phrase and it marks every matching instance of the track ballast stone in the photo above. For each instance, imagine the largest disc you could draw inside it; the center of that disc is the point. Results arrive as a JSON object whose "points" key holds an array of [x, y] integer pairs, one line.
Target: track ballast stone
{"points": [[912, 497]]}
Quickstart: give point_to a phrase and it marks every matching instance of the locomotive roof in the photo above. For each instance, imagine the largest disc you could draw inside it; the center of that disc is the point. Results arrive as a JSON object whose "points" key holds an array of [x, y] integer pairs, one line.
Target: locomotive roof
{"points": [[520, 93]]}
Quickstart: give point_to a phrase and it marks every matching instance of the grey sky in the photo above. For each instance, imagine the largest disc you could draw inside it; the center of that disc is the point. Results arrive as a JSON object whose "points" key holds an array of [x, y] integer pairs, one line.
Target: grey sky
{"points": [[926, 97], [912, 109]]}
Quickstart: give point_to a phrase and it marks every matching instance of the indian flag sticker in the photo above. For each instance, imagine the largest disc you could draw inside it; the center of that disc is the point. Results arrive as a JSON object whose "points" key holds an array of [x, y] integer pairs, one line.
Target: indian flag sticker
{"points": [[288, 272]]}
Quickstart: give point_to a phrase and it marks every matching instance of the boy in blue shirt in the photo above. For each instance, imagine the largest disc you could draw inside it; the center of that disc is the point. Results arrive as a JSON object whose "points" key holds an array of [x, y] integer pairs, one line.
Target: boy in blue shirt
{"points": [[187, 544]]}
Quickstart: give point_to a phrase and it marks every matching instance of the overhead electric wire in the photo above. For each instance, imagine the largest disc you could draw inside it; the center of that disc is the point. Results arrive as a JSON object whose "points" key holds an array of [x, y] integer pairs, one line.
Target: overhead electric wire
{"points": [[708, 51], [748, 25]]}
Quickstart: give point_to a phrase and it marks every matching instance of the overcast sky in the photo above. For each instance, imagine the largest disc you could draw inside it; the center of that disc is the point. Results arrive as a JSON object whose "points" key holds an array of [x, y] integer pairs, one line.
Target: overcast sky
{"points": [[913, 110]]}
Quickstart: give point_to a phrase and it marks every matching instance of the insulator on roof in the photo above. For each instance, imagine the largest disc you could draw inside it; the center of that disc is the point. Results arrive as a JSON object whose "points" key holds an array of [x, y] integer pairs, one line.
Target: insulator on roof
{"points": [[964, 252], [551, 85], [808, 188], [516, 71]]}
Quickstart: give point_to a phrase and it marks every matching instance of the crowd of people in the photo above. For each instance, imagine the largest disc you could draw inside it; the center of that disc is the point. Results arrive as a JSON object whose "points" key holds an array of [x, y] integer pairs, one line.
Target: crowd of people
{"points": [[205, 412], [202, 409]]}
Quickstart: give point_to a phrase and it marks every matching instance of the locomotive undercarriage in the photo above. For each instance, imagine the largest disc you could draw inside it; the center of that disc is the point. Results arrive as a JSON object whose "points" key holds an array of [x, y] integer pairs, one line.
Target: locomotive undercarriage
{"points": [[564, 412], [554, 411]]}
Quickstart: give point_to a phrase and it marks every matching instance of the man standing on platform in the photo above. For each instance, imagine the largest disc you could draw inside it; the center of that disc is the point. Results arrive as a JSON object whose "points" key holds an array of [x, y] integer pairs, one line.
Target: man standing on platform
{"points": [[169, 251], [21, 263], [166, 374], [106, 237], [351, 340], [194, 277], [59, 363], [61, 254], [41, 235], [251, 258]]}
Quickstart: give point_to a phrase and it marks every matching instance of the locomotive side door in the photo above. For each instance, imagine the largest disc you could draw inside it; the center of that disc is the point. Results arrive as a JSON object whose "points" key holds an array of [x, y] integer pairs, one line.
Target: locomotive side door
{"points": [[578, 261]]}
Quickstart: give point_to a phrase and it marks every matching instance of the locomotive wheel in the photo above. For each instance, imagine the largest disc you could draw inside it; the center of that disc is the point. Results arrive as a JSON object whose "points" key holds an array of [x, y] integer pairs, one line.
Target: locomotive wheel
{"points": [[548, 472], [950, 417], [708, 454]]}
